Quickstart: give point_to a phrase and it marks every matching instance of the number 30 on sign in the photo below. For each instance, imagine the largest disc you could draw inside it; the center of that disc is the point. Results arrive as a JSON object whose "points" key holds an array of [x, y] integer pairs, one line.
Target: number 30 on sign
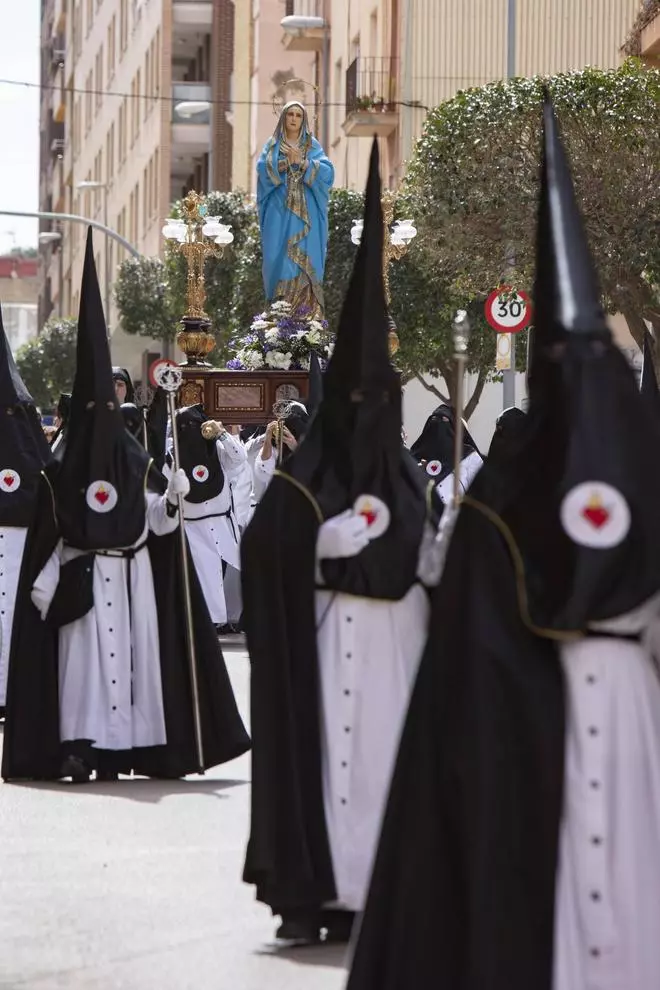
{"points": [[508, 310]]}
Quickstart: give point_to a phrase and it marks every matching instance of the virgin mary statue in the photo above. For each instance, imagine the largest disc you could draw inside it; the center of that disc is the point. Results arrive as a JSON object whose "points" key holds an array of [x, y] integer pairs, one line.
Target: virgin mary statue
{"points": [[294, 181]]}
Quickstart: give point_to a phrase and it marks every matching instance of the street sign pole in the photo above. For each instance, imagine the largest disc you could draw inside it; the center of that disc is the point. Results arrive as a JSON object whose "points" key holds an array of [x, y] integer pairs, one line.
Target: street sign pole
{"points": [[509, 376]]}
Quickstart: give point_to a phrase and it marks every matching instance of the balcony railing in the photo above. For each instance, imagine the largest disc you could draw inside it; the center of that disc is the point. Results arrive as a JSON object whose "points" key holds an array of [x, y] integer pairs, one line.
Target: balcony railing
{"points": [[303, 8], [371, 106], [371, 85], [56, 137]]}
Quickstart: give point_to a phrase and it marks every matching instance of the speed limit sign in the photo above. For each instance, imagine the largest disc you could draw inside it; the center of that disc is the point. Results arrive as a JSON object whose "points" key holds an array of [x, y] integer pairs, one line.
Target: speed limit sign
{"points": [[508, 310]]}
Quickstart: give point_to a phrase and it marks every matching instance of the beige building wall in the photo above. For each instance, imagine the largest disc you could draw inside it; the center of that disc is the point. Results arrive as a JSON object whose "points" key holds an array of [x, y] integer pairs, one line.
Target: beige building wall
{"points": [[438, 47], [241, 88]]}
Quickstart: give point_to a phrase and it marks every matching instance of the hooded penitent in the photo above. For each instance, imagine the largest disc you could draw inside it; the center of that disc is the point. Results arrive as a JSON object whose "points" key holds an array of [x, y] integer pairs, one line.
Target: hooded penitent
{"points": [[23, 446], [435, 444], [353, 448], [122, 375], [562, 532], [99, 489], [199, 457], [509, 428], [315, 391]]}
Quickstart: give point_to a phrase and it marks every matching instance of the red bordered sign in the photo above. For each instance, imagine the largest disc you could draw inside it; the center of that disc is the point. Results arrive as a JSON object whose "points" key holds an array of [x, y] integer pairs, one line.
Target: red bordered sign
{"points": [[155, 367], [508, 311]]}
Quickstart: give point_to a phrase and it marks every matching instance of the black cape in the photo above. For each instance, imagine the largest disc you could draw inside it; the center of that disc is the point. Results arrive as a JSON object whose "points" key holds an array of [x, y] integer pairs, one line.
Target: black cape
{"points": [[462, 894], [31, 739], [288, 855]]}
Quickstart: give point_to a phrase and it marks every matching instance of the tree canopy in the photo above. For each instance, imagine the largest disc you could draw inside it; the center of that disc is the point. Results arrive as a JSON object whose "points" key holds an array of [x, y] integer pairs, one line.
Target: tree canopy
{"points": [[473, 182], [47, 364]]}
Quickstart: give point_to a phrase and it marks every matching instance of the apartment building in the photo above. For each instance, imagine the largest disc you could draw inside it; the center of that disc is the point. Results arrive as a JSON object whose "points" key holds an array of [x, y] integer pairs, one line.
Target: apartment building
{"points": [[393, 60], [19, 288], [134, 114]]}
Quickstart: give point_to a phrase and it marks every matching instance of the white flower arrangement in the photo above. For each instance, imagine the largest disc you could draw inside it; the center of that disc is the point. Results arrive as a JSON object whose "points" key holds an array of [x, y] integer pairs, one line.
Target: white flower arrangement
{"points": [[281, 339]]}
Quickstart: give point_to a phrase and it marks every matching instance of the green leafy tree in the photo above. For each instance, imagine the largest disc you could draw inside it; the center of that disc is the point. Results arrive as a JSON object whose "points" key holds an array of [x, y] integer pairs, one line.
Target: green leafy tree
{"points": [[473, 185], [144, 300], [47, 364]]}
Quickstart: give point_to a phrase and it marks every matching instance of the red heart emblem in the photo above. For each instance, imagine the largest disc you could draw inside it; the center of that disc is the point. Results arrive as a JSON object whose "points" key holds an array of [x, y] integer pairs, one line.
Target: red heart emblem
{"points": [[596, 515], [434, 469], [9, 480], [370, 516], [101, 496], [200, 473]]}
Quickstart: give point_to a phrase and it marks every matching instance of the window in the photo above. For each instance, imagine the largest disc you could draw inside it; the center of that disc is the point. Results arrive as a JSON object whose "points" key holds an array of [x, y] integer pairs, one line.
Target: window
{"points": [[110, 155], [98, 78], [90, 16], [338, 98], [136, 214], [145, 192], [156, 60], [112, 42], [138, 98], [147, 82], [89, 83], [123, 25], [155, 204], [122, 132], [77, 30], [373, 33]]}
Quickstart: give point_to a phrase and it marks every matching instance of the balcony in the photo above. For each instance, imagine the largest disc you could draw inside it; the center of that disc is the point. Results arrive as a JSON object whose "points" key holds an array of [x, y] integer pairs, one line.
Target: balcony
{"points": [[650, 40], [371, 107], [192, 16], [304, 26], [191, 119], [56, 138]]}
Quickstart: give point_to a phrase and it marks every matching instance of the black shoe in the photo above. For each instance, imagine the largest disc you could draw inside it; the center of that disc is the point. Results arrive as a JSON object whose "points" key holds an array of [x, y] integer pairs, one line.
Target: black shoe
{"points": [[77, 769], [300, 927], [338, 925], [224, 629]]}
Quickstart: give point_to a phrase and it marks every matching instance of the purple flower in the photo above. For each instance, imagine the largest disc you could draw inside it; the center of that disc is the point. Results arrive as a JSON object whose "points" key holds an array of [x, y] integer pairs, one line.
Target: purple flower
{"points": [[235, 365]]}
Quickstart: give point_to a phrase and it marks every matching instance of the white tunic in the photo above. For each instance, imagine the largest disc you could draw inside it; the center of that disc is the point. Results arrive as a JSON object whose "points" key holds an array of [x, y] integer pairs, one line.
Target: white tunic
{"points": [[607, 929], [216, 538], [12, 544], [470, 467], [101, 698], [368, 652], [263, 473]]}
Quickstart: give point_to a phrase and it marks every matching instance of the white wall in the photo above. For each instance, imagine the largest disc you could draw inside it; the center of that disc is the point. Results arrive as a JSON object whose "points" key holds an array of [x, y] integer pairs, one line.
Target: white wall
{"points": [[418, 404]]}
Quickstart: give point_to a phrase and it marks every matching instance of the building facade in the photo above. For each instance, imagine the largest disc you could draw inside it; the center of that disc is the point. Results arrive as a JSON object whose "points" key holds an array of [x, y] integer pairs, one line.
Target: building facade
{"points": [[19, 291], [135, 112]]}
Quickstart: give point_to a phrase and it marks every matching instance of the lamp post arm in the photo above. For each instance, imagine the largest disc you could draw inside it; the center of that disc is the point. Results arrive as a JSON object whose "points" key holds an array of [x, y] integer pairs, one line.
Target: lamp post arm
{"points": [[74, 218]]}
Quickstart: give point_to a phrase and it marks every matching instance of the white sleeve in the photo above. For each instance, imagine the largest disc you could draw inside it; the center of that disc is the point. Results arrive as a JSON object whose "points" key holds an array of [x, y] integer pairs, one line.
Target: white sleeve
{"points": [[158, 520], [263, 472], [470, 467], [46, 584], [242, 492], [231, 452]]}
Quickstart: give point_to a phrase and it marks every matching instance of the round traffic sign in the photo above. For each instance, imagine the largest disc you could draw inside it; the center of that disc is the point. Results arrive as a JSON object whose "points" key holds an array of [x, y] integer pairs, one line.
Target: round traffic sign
{"points": [[508, 310], [155, 367]]}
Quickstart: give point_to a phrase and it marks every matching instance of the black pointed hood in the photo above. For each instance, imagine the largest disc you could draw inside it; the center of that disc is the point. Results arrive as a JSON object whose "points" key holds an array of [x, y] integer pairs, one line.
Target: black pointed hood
{"points": [[435, 444], [352, 454], [648, 386], [198, 457], [24, 450], [99, 489], [577, 500]]}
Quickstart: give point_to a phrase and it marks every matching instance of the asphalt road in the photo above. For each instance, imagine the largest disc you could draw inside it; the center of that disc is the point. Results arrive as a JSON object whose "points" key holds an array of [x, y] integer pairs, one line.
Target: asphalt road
{"points": [[136, 885]]}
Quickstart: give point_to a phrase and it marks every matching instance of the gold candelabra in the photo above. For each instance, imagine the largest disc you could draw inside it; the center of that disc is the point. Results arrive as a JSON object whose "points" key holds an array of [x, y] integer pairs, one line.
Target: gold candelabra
{"points": [[196, 236], [397, 236]]}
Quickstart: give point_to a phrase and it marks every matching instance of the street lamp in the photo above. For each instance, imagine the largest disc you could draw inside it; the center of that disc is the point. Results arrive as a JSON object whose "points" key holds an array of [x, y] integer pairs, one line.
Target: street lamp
{"points": [[54, 237], [196, 236], [96, 184], [400, 233]]}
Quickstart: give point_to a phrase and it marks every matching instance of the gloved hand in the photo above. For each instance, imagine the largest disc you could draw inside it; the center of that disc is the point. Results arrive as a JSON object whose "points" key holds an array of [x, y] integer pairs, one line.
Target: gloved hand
{"points": [[178, 485], [344, 535]]}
